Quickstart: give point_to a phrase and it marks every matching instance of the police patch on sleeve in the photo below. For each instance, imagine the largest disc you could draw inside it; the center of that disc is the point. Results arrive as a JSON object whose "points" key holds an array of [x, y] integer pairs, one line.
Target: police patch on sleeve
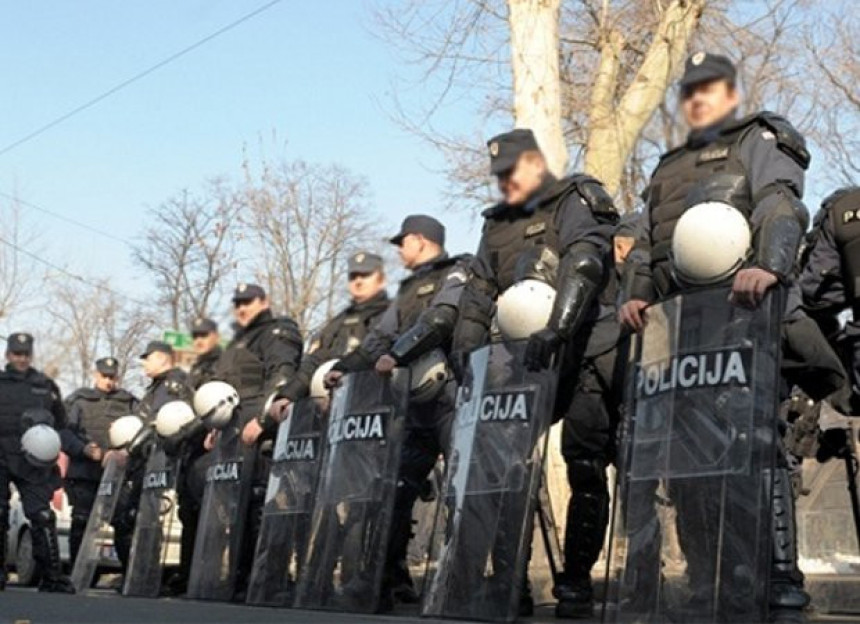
{"points": [[458, 275]]}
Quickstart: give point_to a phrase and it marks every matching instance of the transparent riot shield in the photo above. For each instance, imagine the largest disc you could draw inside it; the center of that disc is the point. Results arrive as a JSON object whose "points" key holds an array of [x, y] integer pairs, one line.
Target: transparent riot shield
{"points": [[827, 521], [98, 534], [488, 502], [289, 501], [220, 530], [692, 532], [156, 515], [351, 518]]}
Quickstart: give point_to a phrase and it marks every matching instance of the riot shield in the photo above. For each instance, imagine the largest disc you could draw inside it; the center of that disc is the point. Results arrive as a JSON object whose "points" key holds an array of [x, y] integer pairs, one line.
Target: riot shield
{"points": [[97, 536], [220, 531], [692, 527], [498, 446], [154, 523], [350, 522], [289, 501]]}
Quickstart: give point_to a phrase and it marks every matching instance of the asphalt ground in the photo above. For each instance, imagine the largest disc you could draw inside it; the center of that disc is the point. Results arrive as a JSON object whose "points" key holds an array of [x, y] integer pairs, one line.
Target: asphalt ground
{"points": [[27, 606]]}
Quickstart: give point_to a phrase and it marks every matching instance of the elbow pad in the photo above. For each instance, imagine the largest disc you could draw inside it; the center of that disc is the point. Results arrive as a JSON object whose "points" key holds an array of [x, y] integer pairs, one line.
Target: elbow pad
{"points": [[779, 237], [580, 277], [432, 330]]}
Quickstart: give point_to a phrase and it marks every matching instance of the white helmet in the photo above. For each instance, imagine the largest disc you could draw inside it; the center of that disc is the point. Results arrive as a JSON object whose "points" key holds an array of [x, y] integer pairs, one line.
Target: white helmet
{"points": [[172, 417], [318, 390], [124, 431], [41, 445], [429, 374], [214, 403], [524, 308], [710, 242]]}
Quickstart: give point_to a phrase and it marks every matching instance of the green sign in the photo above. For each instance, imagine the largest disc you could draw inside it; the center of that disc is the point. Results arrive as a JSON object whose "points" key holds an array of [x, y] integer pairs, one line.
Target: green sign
{"points": [[177, 339]]}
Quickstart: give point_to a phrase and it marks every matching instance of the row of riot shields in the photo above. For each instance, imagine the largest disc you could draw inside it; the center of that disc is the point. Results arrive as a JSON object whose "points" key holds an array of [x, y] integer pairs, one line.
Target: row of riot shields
{"points": [[690, 541]]}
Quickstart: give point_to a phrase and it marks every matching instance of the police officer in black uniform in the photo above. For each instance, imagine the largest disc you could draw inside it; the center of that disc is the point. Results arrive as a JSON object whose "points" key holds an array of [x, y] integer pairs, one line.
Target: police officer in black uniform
{"points": [[204, 333], [167, 383], [543, 223], [756, 164], [23, 388], [830, 276], [262, 356], [91, 412], [421, 318], [345, 332]]}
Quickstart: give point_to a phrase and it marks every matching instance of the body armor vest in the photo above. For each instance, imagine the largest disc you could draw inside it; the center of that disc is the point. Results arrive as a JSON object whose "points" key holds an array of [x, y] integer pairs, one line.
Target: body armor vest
{"points": [[845, 216], [674, 186], [204, 368], [18, 393], [98, 410], [345, 332], [417, 291], [241, 367]]}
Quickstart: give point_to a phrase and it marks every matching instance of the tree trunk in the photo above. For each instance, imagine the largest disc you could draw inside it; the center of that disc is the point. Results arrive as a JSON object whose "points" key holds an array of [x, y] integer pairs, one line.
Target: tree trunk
{"points": [[534, 26], [615, 123]]}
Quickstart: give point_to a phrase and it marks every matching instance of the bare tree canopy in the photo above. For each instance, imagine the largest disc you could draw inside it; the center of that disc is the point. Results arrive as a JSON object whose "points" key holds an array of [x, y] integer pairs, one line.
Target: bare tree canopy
{"points": [[189, 249], [300, 223]]}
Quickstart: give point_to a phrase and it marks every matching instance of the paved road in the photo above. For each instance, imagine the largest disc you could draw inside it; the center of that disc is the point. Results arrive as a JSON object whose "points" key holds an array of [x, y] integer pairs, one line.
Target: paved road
{"points": [[26, 606]]}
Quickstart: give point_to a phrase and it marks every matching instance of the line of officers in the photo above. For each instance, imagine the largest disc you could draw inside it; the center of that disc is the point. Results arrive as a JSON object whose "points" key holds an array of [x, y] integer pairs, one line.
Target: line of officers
{"points": [[564, 232]]}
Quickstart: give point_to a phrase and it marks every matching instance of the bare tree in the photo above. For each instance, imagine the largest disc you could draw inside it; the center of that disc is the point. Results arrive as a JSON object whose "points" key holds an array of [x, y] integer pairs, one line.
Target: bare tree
{"points": [[189, 249], [20, 275], [301, 222], [89, 322]]}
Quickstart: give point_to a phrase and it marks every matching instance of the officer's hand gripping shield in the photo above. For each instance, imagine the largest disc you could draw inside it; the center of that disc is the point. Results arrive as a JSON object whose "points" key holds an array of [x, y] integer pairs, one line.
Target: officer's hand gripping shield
{"points": [[498, 447], [350, 522], [691, 536]]}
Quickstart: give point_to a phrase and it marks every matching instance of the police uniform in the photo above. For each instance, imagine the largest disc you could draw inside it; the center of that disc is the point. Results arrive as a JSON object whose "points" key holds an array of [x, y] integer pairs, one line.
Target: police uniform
{"points": [[420, 318], [343, 333], [206, 364], [561, 235], [20, 392], [756, 164], [259, 359], [90, 415], [171, 385]]}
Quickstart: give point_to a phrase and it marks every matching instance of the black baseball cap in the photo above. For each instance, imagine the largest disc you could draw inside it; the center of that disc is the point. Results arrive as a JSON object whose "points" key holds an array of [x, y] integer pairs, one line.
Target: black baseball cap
{"points": [[19, 342], [364, 262], [704, 67], [425, 225], [156, 345], [505, 149], [203, 326], [247, 292], [107, 366]]}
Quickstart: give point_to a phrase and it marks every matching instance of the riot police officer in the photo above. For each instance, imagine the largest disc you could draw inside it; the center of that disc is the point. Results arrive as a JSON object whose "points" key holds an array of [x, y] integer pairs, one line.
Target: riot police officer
{"points": [[345, 332], [557, 231], [204, 332], [22, 389], [755, 164], [262, 356], [167, 383], [420, 319], [830, 274], [91, 412]]}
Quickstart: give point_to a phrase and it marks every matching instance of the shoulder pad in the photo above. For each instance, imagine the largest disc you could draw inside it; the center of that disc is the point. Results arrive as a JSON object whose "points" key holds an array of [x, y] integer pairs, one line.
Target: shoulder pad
{"points": [[494, 211], [788, 139], [847, 195], [672, 153], [595, 195], [286, 329]]}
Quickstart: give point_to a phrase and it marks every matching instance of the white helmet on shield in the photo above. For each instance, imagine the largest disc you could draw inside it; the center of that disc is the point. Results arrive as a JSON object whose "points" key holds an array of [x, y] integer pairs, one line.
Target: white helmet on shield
{"points": [[710, 242], [172, 417], [41, 445], [524, 308], [429, 373], [214, 403], [318, 389], [123, 431]]}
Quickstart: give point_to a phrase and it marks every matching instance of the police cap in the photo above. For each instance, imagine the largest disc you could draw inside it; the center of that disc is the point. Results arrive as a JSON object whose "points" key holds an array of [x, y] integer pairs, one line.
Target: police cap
{"points": [[505, 149]]}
